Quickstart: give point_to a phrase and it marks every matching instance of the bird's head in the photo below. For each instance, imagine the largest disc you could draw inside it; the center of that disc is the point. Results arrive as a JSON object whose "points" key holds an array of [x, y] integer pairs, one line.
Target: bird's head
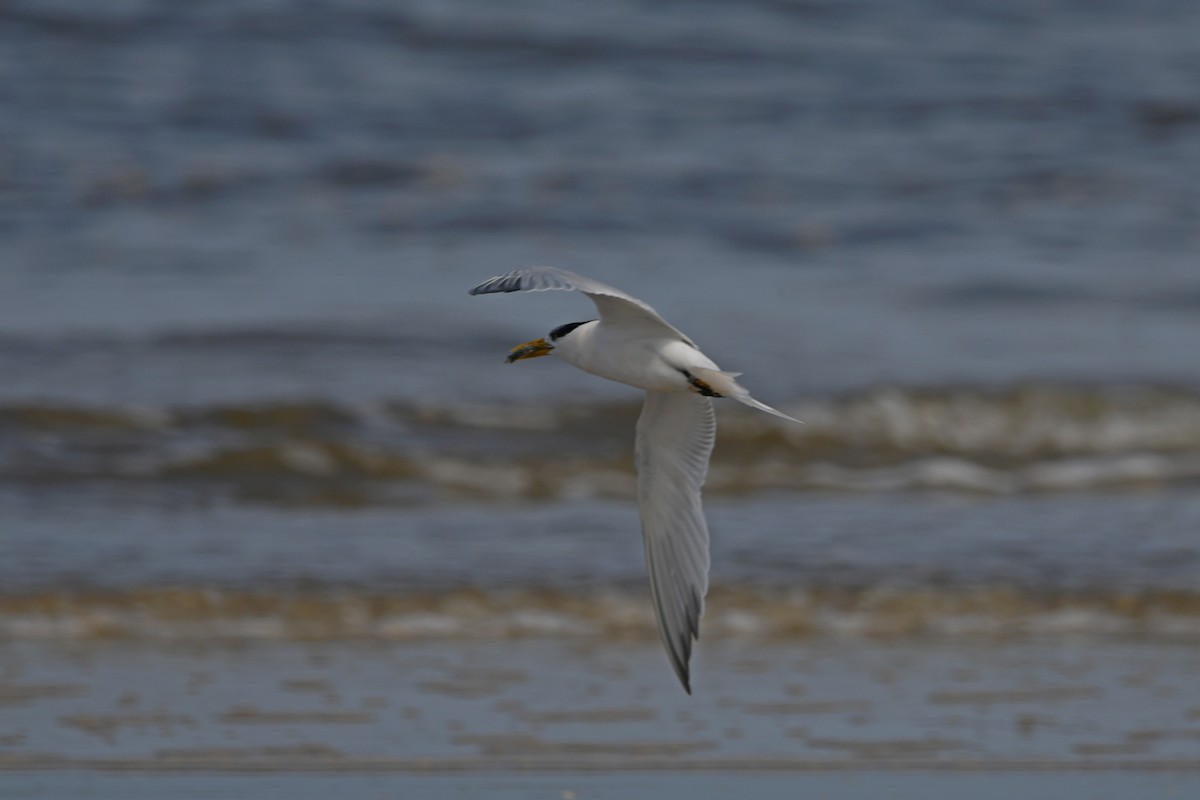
{"points": [[542, 347]]}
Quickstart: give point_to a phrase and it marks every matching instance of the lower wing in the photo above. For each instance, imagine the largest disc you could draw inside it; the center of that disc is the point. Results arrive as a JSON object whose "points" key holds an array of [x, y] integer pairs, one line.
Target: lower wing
{"points": [[675, 436]]}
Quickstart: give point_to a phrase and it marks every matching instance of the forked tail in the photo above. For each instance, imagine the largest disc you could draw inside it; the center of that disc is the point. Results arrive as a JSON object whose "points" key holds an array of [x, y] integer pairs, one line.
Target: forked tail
{"points": [[723, 383]]}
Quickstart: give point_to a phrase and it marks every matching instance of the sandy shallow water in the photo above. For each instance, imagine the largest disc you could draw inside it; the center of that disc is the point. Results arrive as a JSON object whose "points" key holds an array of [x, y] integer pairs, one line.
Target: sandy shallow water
{"points": [[554, 718]]}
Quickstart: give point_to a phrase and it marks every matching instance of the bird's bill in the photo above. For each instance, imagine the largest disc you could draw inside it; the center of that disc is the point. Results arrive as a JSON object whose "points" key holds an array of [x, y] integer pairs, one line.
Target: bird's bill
{"points": [[538, 347]]}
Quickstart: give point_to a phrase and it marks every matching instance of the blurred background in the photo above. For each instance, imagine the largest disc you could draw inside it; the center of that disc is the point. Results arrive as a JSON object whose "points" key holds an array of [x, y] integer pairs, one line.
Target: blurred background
{"points": [[244, 395]]}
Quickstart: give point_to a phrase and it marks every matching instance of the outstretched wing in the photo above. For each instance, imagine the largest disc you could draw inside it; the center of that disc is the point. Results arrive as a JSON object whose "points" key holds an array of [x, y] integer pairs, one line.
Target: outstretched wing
{"points": [[675, 436], [614, 306]]}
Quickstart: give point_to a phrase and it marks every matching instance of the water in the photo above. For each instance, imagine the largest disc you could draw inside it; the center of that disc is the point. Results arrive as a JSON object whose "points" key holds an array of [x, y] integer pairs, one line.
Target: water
{"points": [[215, 202], [503, 786], [245, 396]]}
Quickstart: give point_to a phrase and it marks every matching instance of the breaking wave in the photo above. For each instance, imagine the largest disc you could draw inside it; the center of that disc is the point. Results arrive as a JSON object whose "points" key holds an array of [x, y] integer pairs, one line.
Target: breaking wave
{"points": [[1021, 439], [180, 613]]}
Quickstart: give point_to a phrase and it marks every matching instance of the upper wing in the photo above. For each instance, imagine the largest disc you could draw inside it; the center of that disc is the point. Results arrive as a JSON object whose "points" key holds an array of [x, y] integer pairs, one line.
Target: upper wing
{"points": [[675, 436], [614, 305]]}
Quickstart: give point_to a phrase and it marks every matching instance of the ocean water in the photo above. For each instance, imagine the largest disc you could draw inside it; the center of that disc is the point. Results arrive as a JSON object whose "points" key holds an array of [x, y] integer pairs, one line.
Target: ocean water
{"points": [[245, 397]]}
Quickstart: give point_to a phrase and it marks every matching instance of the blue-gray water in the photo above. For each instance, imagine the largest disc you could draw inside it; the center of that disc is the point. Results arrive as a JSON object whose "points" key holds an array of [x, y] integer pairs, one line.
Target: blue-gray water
{"points": [[271, 502], [238, 354]]}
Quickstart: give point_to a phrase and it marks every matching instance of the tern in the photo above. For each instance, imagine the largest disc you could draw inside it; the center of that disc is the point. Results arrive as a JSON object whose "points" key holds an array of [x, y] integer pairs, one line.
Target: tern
{"points": [[631, 344]]}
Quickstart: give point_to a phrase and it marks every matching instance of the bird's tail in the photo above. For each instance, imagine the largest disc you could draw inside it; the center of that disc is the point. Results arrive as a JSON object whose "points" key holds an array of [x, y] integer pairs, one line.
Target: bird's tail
{"points": [[723, 383]]}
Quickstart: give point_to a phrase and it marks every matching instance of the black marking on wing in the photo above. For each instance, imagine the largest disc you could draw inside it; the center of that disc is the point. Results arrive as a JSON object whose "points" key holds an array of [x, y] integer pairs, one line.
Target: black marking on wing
{"points": [[700, 386]]}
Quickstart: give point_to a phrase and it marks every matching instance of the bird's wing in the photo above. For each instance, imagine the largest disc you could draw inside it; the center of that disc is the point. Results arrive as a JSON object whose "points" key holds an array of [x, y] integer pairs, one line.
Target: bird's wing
{"points": [[675, 436], [615, 306]]}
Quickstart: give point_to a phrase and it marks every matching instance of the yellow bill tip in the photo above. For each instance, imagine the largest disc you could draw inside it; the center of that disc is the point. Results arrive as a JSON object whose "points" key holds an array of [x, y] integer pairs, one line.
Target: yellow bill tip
{"points": [[538, 347]]}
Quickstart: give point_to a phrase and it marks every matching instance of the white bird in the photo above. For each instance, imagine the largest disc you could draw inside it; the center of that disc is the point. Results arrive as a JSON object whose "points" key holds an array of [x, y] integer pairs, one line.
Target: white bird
{"points": [[632, 344]]}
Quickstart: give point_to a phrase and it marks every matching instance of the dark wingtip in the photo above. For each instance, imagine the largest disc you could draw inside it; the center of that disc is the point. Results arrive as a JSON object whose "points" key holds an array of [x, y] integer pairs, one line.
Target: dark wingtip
{"points": [[683, 669], [684, 673]]}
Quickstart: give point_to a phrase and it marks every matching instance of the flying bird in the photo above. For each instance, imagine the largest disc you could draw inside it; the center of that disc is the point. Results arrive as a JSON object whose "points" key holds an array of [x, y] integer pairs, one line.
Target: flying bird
{"points": [[631, 344]]}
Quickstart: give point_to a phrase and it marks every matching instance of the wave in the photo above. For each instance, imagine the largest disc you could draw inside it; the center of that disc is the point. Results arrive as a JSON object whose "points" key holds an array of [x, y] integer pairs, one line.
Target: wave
{"points": [[1020, 439], [183, 613]]}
